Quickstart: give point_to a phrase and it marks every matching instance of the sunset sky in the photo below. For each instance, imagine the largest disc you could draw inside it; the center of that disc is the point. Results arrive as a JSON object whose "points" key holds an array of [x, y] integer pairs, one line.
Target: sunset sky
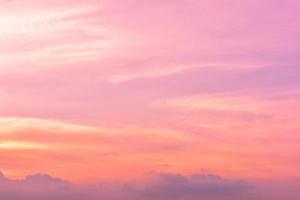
{"points": [[151, 99]]}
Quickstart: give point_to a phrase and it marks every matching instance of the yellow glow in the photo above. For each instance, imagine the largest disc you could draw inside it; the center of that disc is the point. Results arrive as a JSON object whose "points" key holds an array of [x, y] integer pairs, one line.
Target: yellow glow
{"points": [[8, 125], [21, 145]]}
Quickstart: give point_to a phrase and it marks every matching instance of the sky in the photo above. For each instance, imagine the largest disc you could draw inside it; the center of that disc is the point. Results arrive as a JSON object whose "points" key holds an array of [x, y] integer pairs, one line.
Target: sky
{"points": [[149, 100]]}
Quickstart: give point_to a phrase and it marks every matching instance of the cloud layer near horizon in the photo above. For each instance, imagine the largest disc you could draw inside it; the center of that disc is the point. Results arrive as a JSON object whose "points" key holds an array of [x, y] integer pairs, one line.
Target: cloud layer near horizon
{"points": [[158, 186], [161, 186]]}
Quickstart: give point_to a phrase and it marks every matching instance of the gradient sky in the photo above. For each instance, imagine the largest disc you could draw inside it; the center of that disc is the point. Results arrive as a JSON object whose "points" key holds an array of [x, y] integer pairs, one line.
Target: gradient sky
{"points": [[202, 95]]}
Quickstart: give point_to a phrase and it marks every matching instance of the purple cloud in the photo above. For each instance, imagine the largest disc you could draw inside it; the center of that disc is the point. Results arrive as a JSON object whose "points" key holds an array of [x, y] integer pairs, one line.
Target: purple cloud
{"points": [[164, 186], [205, 186]]}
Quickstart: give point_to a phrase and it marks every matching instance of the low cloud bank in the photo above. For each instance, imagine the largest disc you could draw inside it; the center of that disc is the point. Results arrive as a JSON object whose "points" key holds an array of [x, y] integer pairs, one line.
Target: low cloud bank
{"points": [[162, 186]]}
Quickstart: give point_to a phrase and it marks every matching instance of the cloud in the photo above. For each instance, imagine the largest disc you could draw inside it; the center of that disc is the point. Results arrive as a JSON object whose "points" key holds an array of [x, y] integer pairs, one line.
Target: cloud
{"points": [[16, 124], [176, 186], [39, 186], [159, 186], [162, 186]]}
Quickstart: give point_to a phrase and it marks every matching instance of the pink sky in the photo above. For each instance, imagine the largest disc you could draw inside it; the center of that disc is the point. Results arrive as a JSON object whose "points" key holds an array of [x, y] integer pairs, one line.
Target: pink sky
{"points": [[116, 91]]}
